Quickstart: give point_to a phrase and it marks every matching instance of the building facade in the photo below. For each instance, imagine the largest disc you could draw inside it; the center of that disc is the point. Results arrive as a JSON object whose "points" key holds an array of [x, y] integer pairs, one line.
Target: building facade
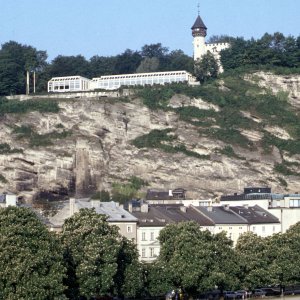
{"points": [[114, 82], [285, 207], [199, 32]]}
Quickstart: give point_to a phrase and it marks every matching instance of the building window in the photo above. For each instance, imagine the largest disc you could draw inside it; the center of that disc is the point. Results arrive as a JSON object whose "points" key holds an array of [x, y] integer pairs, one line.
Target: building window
{"points": [[152, 236], [129, 229], [240, 228], [143, 252], [253, 228], [294, 203], [274, 228], [143, 236], [220, 228], [263, 228], [151, 252]]}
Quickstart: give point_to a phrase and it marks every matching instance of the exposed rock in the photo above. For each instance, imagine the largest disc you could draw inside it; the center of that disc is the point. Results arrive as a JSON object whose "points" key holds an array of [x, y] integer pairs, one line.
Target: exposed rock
{"points": [[99, 151]]}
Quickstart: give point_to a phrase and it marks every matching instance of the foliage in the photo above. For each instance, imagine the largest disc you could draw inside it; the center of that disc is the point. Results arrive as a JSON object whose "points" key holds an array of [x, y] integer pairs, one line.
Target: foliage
{"points": [[103, 196], [122, 192], [31, 260], [3, 179], [6, 149], [206, 68], [195, 260], [284, 169], [253, 261], [269, 51], [156, 97], [161, 139], [39, 140], [99, 260], [16, 106], [15, 60]]}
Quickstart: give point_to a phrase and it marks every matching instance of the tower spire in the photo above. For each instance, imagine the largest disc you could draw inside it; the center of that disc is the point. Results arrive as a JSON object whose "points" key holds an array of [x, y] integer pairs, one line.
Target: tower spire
{"points": [[198, 8]]}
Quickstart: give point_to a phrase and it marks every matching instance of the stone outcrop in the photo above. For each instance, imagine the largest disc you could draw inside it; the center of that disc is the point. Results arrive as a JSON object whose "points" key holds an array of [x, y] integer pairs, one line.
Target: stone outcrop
{"points": [[99, 151]]}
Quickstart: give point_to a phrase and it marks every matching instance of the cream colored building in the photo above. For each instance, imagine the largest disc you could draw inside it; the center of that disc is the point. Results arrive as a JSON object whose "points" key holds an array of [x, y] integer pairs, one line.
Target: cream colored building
{"points": [[199, 32], [118, 216]]}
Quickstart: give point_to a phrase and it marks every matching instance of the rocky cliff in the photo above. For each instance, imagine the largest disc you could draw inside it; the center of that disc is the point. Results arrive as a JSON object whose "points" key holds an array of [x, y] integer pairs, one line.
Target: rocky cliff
{"points": [[98, 149]]}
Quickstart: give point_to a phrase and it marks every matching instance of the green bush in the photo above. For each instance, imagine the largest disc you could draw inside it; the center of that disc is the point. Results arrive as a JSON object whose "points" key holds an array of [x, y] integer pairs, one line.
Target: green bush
{"points": [[285, 170], [18, 107], [39, 140], [6, 149], [3, 179]]}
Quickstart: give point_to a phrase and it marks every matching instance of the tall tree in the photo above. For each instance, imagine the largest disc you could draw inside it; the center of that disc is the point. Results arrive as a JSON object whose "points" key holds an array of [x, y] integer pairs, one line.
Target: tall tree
{"points": [[69, 66], [206, 68], [191, 257], [99, 260], [127, 62], [254, 261], [31, 260], [15, 60]]}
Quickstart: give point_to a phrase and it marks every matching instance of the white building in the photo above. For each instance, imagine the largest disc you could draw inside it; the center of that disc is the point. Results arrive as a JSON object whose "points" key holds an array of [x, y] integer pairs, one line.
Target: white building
{"points": [[8, 199], [68, 84], [286, 207], [113, 82], [199, 32]]}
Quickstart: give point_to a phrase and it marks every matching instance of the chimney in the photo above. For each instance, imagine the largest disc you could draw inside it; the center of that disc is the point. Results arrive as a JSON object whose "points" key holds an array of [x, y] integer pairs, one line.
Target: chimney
{"points": [[72, 206], [226, 206], [144, 208], [170, 193], [130, 207], [10, 200], [183, 209]]}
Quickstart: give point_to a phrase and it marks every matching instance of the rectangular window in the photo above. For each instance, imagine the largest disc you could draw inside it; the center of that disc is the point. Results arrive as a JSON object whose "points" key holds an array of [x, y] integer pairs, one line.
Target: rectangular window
{"points": [[152, 236], [143, 252], [143, 236], [129, 229], [263, 229], [151, 252]]}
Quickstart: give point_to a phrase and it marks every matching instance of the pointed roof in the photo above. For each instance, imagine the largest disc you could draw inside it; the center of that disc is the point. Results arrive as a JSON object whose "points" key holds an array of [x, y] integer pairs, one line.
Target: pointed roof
{"points": [[199, 23]]}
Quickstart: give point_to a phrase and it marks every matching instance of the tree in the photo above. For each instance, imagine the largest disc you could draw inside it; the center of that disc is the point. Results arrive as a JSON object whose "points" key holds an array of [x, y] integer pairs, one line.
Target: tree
{"points": [[253, 260], [177, 61], [15, 60], [31, 260], [99, 260], [69, 66], [285, 256], [207, 67], [101, 65], [148, 64], [193, 258], [127, 62], [154, 50]]}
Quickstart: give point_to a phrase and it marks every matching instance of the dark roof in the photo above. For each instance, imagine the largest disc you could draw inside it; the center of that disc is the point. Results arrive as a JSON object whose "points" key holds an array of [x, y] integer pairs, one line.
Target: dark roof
{"points": [[222, 215], [161, 215], [199, 24], [237, 197], [178, 193], [254, 214]]}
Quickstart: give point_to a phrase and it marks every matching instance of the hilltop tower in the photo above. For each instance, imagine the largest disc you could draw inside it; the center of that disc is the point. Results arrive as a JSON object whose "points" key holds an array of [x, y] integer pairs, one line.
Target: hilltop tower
{"points": [[199, 32]]}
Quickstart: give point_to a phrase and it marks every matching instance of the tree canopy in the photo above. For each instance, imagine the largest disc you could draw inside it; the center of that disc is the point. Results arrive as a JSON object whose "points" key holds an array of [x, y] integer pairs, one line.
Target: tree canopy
{"points": [[31, 258], [99, 261]]}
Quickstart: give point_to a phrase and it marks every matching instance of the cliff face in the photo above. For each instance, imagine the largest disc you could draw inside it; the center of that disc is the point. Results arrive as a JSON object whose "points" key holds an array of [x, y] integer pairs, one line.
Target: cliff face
{"points": [[98, 151]]}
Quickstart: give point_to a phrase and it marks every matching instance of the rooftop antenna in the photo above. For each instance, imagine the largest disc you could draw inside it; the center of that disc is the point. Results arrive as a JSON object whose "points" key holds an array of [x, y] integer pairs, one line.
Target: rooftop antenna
{"points": [[198, 9]]}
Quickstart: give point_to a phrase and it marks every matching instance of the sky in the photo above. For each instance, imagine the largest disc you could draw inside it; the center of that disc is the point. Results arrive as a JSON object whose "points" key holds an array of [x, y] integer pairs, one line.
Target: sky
{"points": [[109, 27]]}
